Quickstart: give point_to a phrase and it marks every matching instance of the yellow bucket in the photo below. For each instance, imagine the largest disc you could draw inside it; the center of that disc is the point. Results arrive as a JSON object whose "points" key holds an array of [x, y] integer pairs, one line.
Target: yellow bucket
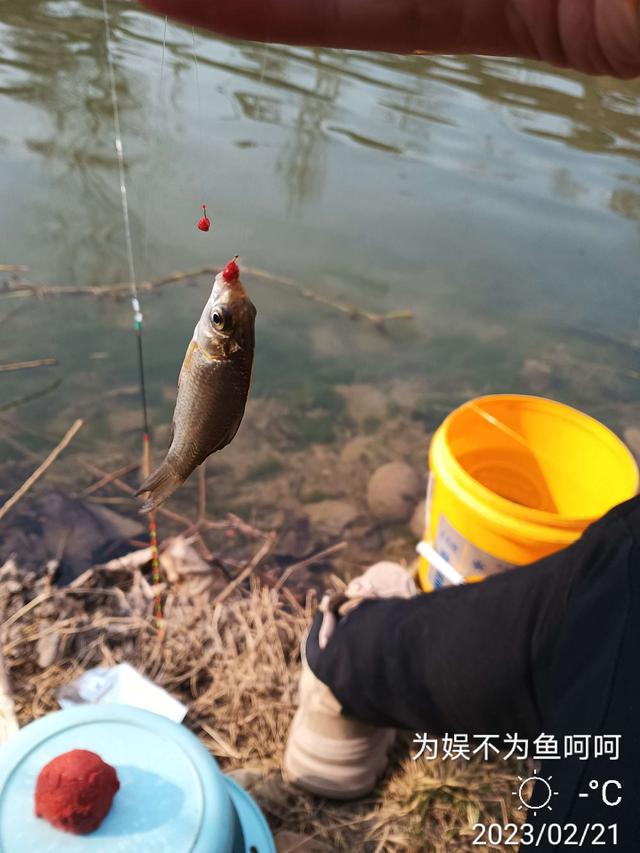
{"points": [[514, 478]]}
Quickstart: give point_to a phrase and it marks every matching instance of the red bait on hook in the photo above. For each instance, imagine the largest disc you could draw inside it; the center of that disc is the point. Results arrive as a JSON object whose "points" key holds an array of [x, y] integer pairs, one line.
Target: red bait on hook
{"points": [[205, 223], [231, 272]]}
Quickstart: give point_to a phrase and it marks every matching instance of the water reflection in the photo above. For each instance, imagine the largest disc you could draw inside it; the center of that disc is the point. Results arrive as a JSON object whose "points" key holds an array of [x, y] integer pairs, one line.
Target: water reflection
{"points": [[56, 62], [490, 196], [565, 185], [54, 58], [626, 203], [301, 164]]}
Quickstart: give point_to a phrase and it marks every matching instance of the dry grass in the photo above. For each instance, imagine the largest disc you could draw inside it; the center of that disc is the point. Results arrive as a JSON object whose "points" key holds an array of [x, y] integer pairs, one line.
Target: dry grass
{"points": [[236, 666]]}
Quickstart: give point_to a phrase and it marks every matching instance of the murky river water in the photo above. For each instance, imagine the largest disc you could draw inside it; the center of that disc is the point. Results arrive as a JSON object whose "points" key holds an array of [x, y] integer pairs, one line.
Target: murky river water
{"points": [[497, 200]]}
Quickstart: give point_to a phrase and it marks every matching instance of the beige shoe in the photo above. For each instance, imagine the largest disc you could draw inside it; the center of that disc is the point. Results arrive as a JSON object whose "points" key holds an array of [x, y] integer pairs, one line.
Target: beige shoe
{"points": [[328, 753]]}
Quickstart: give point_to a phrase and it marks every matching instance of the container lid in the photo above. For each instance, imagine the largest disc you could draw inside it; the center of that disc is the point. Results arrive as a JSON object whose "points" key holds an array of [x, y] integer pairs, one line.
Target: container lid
{"points": [[173, 796]]}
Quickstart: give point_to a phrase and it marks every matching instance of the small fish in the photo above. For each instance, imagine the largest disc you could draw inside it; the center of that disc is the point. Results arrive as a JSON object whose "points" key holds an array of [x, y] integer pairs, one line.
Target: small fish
{"points": [[212, 386]]}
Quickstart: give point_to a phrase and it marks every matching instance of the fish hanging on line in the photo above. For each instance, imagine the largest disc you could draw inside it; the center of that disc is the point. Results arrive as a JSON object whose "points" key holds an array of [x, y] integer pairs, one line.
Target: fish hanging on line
{"points": [[212, 387]]}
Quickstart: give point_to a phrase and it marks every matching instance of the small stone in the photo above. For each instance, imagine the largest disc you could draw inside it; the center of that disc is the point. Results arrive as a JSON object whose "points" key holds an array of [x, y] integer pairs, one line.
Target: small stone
{"points": [[363, 402], [417, 523], [537, 374], [631, 436], [356, 451], [331, 516], [407, 393], [393, 491]]}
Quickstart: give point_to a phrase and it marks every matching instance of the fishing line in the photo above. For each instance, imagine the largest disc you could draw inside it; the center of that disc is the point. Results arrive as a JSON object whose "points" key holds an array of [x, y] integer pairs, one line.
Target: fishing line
{"points": [[195, 64], [121, 169], [199, 97], [264, 62], [204, 223], [246, 224], [135, 302], [152, 182]]}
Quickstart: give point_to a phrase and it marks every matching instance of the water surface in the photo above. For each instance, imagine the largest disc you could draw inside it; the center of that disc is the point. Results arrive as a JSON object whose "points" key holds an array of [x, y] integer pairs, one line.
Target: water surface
{"points": [[498, 200]]}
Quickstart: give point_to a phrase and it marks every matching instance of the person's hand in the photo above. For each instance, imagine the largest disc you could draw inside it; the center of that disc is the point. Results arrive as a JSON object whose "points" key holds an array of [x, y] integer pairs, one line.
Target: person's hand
{"points": [[594, 36], [382, 580]]}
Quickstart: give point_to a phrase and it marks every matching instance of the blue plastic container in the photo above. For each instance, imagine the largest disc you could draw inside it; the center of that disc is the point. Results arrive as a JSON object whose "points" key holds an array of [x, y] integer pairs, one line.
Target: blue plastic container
{"points": [[173, 798]]}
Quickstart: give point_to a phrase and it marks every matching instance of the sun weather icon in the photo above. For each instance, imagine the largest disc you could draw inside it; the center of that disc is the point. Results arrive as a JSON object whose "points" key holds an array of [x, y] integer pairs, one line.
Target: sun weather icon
{"points": [[535, 793]]}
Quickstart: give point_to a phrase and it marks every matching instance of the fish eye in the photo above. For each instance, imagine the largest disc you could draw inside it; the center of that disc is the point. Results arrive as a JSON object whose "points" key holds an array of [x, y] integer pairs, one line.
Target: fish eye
{"points": [[220, 319]]}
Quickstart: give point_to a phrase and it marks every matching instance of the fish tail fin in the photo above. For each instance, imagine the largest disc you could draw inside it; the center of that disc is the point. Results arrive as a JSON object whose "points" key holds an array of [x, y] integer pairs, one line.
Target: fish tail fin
{"points": [[159, 485]]}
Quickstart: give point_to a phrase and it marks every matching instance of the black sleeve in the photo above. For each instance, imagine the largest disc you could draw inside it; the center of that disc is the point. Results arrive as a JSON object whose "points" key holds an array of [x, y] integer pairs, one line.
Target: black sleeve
{"points": [[550, 647]]}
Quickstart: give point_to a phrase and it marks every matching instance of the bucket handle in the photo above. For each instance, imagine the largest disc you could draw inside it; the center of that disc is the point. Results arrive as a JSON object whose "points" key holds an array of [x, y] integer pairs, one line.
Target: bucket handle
{"points": [[520, 439], [426, 550]]}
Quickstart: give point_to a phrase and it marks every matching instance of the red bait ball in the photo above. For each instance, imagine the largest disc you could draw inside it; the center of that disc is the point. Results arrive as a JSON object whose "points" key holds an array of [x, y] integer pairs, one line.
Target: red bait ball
{"points": [[205, 223], [231, 272], [75, 790]]}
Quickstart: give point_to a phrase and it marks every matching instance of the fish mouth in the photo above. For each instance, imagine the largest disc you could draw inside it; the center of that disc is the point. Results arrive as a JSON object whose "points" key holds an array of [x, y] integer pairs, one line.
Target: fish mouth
{"points": [[227, 292]]}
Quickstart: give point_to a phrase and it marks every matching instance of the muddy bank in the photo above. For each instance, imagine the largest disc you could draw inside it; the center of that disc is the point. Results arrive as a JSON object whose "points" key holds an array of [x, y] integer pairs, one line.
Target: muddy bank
{"points": [[321, 469], [303, 472]]}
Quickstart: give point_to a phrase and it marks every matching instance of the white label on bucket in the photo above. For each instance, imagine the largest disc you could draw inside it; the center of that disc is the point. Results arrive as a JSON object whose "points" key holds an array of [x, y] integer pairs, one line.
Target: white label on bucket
{"points": [[465, 557]]}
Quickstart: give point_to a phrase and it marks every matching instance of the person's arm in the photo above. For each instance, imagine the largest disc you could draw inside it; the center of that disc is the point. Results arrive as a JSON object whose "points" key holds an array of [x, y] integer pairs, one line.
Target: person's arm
{"points": [[595, 36]]}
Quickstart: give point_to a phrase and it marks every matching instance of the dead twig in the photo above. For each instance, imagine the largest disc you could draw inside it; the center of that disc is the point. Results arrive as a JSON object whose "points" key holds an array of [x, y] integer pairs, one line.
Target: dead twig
{"points": [[121, 289], [125, 487], [242, 526], [109, 478], [377, 320], [35, 395], [44, 596], [26, 365], [308, 561], [217, 738], [191, 527], [40, 470], [251, 566], [101, 290]]}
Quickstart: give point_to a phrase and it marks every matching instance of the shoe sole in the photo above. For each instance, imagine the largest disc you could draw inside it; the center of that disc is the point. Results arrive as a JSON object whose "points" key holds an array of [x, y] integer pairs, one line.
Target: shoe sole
{"points": [[303, 765]]}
